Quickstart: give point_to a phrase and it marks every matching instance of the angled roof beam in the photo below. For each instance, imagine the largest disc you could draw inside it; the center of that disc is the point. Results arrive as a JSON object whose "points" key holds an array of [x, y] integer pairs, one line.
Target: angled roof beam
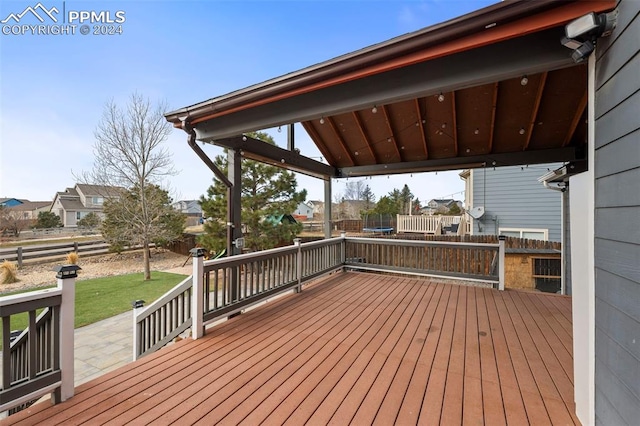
{"points": [[494, 106], [338, 136], [392, 135], [365, 138], [258, 150], [454, 131], [576, 119], [310, 128], [421, 126], [536, 107]]}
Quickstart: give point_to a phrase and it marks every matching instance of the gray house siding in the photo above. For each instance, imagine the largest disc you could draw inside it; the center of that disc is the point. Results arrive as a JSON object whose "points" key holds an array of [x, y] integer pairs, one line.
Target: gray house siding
{"points": [[617, 221], [515, 199]]}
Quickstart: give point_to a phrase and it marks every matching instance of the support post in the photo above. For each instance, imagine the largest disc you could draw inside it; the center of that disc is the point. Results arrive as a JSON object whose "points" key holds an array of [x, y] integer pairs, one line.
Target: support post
{"points": [[296, 242], [501, 241], [197, 294], [235, 176], [66, 277], [291, 142], [19, 257], [327, 208], [137, 306]]}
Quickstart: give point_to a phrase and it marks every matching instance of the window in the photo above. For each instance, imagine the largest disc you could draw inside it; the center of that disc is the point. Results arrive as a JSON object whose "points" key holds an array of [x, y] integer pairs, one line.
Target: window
{"points": [[531, 234], [98, 201], [548, 274]]}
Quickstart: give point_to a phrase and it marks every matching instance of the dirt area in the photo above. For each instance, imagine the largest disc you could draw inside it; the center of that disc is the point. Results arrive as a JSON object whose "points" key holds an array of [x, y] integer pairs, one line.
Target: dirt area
{"points": [[41, 274]]}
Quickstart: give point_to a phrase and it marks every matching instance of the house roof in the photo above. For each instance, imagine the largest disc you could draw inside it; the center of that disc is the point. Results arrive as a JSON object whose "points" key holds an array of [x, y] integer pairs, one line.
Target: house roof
{"points": [[31, 205], [492, 87], [76, 205], [99, 190]]}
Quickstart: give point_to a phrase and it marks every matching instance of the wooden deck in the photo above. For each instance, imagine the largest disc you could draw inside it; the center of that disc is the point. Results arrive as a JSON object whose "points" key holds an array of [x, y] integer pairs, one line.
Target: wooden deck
{"points": [[355, 348]]}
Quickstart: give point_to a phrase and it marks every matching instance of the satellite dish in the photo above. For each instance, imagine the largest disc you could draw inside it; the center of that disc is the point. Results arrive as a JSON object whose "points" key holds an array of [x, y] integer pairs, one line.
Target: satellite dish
{"points": [[476, 212]]}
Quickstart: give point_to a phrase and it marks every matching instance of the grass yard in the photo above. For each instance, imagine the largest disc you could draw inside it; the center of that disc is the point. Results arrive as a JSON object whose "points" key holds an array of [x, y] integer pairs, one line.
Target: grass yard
{"points": [[101, 298]]}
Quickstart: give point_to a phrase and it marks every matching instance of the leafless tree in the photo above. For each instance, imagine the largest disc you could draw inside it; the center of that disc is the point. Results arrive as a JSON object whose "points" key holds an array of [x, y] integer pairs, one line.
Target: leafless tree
{"points": [[354, 190], [129, 154]]}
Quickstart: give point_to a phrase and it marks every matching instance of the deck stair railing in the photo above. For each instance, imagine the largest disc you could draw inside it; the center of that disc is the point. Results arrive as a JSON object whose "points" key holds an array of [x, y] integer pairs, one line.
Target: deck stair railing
{"points": [[39, 360], [224, 287]]}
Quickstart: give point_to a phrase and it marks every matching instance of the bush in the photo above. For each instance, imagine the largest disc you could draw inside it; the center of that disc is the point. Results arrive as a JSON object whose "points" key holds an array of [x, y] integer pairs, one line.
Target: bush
{"points": [[72, 258], [48, 220], [90, 221], [8, 272]]}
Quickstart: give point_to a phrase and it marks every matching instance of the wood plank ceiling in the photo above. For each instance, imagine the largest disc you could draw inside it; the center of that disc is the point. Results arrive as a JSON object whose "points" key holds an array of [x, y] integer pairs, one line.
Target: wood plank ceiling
{"points": [[534, 112]]}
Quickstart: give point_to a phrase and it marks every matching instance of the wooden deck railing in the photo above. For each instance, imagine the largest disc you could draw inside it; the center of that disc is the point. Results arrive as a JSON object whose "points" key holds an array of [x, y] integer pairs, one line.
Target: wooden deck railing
{"points": [[40, 360], [163, 320], [226, 286], [466, 261]]}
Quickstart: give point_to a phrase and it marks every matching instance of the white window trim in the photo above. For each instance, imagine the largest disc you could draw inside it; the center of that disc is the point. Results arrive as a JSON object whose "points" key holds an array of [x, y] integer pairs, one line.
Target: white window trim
{"points": [[545, 232]]}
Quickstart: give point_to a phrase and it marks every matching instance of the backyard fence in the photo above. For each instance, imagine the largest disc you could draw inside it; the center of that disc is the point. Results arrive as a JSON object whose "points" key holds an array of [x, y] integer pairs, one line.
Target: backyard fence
{"points": [[56, 251]]}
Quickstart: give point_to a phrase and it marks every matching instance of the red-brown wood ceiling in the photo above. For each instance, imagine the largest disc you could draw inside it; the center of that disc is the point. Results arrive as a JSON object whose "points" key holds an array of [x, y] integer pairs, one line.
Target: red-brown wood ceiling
{"points": [[507, 116]]}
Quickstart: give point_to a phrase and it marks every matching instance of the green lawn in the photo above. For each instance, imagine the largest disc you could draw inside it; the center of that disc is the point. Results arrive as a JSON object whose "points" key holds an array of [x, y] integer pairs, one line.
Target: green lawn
{"points": [[100, 298]]}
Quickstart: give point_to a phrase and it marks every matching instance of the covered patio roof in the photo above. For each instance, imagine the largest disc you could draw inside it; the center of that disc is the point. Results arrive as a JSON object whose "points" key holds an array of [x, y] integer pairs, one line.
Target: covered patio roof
{"points": [[491, 88]]}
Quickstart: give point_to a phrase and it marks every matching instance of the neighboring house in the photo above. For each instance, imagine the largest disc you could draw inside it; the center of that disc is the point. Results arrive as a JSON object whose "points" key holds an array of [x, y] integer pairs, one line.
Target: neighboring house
{"points": [[317, 206], [441, 206], [191, 209], [29, 209], [511, 201], [73, 204], [10, 202], [304, 211]]}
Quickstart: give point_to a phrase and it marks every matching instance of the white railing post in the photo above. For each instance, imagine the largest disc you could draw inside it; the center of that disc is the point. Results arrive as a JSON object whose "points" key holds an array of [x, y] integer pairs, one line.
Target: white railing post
{"points": [[197, 296], [66, 276], [501, 240], [296, 242], [343, 251], [137, 305]]}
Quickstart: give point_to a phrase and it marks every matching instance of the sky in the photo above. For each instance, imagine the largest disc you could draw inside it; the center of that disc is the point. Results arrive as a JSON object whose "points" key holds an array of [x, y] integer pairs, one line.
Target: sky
{"points": [[53, 87]]}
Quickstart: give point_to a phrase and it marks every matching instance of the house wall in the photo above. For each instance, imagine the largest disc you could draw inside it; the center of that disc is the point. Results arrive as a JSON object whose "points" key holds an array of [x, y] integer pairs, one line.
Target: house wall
{"points": [[617, 221], [515, 199]]}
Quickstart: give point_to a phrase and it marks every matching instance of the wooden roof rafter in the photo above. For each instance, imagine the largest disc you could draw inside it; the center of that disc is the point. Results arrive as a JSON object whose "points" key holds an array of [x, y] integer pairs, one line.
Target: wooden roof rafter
{"points": [[421, 126], [576, 119], [392, 137], [454, 130], [534, 111], [363, 133], [308, 126], [494, 107], [340, 139]]}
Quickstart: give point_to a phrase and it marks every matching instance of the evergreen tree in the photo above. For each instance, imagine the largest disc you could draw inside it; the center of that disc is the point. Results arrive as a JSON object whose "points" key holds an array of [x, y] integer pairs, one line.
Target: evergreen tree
{"points": [[48, 220], [268, 193]]}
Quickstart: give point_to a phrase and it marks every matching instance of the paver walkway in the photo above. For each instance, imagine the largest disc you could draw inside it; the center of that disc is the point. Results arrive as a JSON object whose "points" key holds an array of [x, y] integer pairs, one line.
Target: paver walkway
{"points": [[103, 346]]}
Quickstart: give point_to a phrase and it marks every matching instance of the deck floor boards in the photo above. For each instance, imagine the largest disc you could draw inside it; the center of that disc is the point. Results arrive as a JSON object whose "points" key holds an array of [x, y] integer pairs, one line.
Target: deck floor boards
{"points": [[352, 348]]}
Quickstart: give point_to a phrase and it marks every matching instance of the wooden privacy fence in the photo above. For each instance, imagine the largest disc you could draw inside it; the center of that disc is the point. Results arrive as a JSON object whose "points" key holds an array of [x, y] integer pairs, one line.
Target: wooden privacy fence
{"points": [[223, 287]]}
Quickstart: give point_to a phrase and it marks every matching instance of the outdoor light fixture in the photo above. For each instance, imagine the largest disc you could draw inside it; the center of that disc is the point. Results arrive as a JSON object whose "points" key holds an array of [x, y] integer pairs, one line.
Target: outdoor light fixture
{"points": [[322, 120], [440, 97], [374, 109], [524, 81], [582, 33]]}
